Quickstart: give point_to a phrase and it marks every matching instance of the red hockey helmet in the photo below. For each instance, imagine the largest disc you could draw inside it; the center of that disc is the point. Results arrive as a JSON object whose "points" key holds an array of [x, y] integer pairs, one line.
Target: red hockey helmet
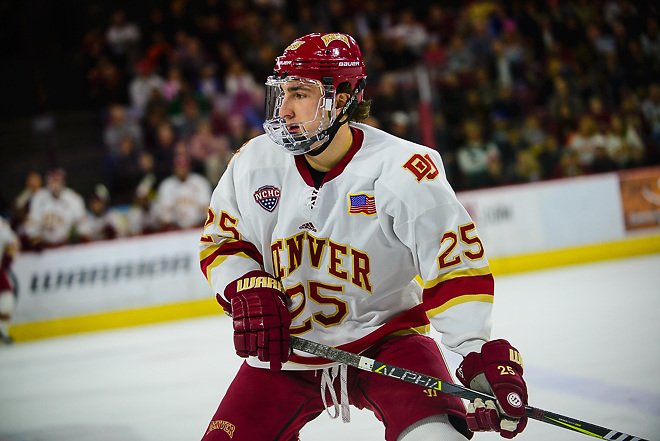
{"points": [[326, 60]]}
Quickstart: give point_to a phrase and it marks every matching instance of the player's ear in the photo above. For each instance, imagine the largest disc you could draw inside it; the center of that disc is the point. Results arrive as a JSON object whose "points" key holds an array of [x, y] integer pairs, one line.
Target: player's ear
{"points": [[341, 100]]}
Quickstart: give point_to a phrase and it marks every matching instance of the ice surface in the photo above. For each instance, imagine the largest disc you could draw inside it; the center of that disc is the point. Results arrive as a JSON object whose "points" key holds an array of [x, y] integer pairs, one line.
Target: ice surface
{"points": [[588, 335]]}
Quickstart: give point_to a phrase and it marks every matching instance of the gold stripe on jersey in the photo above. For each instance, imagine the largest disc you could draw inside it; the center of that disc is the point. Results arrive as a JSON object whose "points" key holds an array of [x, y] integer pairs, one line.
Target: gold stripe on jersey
{"points": [[423, 330], [214, 255], [468, 272], [486, 298]]}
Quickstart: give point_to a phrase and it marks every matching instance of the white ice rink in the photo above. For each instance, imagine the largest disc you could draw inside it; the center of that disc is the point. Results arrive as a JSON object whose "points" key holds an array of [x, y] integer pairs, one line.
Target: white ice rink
{"points": [[588, 335]]}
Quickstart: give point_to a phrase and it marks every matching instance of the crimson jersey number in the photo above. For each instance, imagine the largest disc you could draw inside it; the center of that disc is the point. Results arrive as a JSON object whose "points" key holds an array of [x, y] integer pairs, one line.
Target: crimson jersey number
{"points": [[314, 290], [449, 257]]}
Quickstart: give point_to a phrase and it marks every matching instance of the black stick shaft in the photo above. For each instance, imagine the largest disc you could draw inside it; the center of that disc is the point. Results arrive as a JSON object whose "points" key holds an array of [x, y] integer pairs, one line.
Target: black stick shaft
{"points": [[428, 382]]}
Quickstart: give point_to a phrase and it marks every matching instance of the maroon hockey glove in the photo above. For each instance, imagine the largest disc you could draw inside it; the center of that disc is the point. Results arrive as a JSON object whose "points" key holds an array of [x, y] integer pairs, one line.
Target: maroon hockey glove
{"points": [[497, 371], [258, 307]]}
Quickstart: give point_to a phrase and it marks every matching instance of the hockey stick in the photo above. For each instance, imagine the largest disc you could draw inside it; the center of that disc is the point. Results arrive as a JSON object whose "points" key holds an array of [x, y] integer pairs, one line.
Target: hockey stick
{"points": [[457, 390]]}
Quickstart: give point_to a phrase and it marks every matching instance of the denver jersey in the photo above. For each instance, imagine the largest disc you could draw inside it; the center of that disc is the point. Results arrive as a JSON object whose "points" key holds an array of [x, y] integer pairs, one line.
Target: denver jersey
{"points": [[182, 202], [54, 218], [382, 248]]}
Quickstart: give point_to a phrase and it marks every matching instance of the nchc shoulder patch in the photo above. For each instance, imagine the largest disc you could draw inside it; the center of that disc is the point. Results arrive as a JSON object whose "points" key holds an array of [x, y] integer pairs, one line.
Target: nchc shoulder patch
{"points": [[268, 197]]}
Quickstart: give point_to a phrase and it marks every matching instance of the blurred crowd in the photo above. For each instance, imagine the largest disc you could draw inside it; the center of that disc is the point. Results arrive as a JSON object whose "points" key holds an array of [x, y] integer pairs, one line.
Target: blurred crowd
{"points": [[520, 91]]}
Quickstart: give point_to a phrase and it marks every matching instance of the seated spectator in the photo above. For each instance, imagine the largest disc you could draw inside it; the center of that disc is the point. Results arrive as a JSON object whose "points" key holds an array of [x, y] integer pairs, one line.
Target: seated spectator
{"points": [[209, 154], [507, 105], [569, 164], [623, 143], [141, 217], [651, 112], [182, 198], [164, 149], [601, 162], [526, 167], [598, 112], [118, 128], [123, 37], [532, 132], [55, 213], [22, 202], [140, 88], [388, 99], [9, 248], [509, 147], [100, 222], [400, 124], [549, 155], [478, 160], [123, 171], [584, 140], [564, 100]]}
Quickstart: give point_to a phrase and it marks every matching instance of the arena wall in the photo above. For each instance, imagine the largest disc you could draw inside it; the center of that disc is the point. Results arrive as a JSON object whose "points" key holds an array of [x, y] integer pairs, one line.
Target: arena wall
{"points": [[153, 278]]}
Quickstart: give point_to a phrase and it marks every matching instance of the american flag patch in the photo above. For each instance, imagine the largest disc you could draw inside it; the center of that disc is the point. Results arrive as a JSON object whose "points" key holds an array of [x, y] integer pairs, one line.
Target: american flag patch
{"points": [[362, 204]]}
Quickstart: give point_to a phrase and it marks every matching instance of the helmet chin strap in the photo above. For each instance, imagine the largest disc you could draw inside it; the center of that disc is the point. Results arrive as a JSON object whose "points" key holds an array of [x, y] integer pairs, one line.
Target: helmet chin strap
{"points": [[344, 116]]}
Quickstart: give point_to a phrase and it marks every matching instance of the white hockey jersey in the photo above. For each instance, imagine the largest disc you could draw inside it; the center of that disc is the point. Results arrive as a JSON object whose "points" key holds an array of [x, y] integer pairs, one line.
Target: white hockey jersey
{"points": [[7, 236], [53, 218], [382, 247], [183, 203]]}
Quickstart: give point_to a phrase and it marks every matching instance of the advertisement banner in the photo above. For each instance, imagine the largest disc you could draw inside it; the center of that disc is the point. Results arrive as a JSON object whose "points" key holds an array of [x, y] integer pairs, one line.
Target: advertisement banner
{"points": [[548, 215], [109, 275], [640, 197]]}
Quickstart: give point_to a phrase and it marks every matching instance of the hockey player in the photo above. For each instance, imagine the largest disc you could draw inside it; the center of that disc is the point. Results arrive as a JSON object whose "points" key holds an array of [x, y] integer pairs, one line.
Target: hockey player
{"points": [[55, 213], [348, 236], [9, 247], [182, 198], [101, 222]]}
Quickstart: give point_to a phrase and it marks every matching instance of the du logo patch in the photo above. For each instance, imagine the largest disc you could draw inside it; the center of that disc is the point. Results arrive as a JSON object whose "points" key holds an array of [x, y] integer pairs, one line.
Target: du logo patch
{"points": [[329, 38], [268, 197]]}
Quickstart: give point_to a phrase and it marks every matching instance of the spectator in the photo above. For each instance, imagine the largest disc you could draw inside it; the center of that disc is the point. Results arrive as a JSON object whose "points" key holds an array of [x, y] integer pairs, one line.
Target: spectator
{"points": [[237, 132], [561, 97], [507, 105], [532, 132], [601, 161], [400, 125], [141, 217], [549, 155], [526, 167], [22, 202], [478, 160], [122, 173], [510, 158], [243, 92], [164, 150], [459, 58], [651, 112], [9, 248], [101, 222], [182, 198], [650, 40], [55, 213], [140, 87], [623, 144], [569, 164], [585, 140], [123, 38], [209, 154], [598, 113], [118, 128], [172, 84], [409, 30]]}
